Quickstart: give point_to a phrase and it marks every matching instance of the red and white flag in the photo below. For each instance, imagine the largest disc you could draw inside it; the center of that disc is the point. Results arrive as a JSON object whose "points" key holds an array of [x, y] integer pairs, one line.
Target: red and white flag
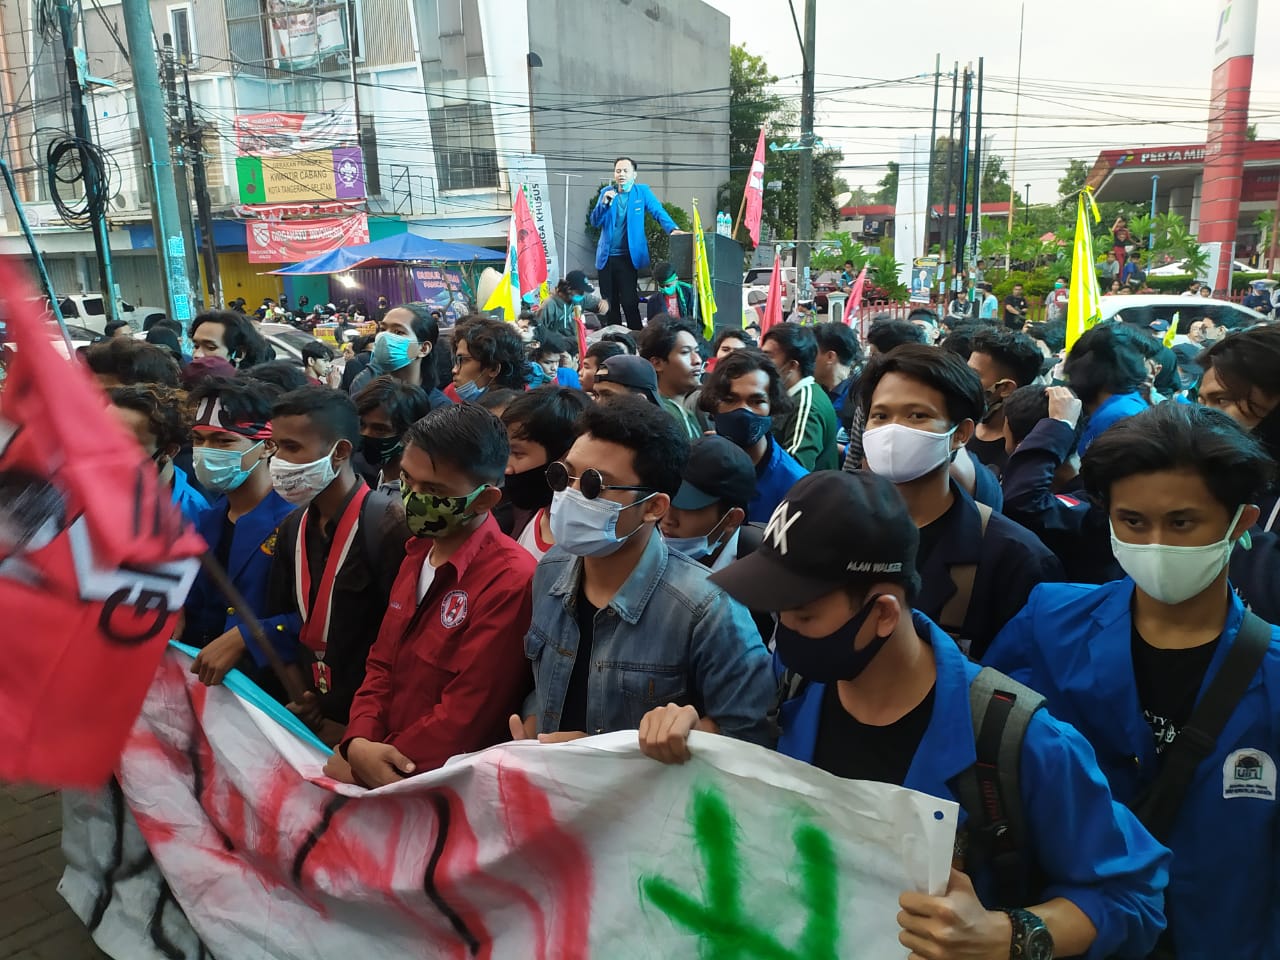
{"points": [[95, 563], [773, 305], [855, 297], [755, 191], [532, 255]]}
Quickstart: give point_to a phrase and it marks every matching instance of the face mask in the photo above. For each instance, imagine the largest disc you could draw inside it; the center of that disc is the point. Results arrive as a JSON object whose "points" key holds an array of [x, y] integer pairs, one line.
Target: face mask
{"points": [[669, 288], [628, 181], [903, 454], [536, 377], [588, 528], [1174, 574], [695, 548], [429, 516], [1059, 285], [379, 451], [222, 470], [832, 658], [300, 482], [469, 391], [391, 351], [742, 427], [528, 489], [577, 298]]}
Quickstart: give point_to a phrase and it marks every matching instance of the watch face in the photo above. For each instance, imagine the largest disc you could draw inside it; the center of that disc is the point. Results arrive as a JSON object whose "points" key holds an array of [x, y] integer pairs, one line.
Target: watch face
{"points": [[1039, 944]]}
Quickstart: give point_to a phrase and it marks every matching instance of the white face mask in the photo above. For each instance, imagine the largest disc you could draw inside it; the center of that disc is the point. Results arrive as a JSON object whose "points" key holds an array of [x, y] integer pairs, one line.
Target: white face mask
{"points": [[903, 453], [300, 482], [1174, 574], [588, 528]]}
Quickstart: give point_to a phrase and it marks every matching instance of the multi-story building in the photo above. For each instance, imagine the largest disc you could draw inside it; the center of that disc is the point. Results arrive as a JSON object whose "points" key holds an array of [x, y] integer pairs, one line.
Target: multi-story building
{"points": [[454, 101]]}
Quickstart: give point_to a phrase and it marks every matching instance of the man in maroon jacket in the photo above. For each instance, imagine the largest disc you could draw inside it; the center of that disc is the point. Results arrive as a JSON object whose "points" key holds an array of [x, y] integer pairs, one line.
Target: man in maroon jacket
{"points": [[448, 667]]}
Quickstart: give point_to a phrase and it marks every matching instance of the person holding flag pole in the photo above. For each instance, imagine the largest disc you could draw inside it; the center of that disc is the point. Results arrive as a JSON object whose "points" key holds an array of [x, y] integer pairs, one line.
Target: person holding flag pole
{"points": [[1084, 303]]}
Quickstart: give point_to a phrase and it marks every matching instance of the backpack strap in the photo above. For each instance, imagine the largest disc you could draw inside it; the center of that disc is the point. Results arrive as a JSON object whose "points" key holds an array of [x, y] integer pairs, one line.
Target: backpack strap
{"points": [[1158, 806], [990, 791], [963, 575]]}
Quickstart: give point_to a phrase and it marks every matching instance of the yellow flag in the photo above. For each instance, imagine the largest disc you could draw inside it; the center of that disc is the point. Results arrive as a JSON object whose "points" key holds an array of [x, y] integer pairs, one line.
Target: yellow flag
{"points": [[702, 277], [507, 293], [1171, 334], [1084, 303]]}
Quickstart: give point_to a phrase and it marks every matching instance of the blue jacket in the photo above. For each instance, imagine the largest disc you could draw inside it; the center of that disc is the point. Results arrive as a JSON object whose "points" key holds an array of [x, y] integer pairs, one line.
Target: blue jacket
{"points": [[1073, 644], [1112, 410], [639, 200], [1089, 849], [1010, 562], [189, 500], [252, 548], [776, 473], [668, 636]]}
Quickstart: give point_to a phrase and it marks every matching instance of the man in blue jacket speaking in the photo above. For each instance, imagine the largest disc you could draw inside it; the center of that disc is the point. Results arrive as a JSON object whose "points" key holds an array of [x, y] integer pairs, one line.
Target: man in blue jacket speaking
{"points": [[623, 250]]}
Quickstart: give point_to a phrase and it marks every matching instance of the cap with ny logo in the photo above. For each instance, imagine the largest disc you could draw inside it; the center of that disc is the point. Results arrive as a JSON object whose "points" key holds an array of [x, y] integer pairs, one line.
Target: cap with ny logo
{"points": [[831, 529]]}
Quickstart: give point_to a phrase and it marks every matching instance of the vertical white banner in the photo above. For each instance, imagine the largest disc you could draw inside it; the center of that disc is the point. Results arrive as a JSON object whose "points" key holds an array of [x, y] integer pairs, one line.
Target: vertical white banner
{"points": [[530, 171], [910, 214]]}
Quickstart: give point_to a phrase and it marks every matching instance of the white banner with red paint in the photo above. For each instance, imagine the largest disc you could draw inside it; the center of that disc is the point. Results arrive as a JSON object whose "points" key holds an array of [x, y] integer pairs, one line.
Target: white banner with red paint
{"points": [[221, 835], [289, 241]]}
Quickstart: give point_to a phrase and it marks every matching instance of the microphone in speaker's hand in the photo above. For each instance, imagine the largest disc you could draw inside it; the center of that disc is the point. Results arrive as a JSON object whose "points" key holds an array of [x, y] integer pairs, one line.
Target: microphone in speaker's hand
{"points": [[608, 196]]}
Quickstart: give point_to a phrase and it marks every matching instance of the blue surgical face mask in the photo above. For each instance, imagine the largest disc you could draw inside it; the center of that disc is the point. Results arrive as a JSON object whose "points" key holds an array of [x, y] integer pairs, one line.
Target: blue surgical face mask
{"points": [[695, 548], [391, 351], [469, 391], [222, 470], [588, 528]]}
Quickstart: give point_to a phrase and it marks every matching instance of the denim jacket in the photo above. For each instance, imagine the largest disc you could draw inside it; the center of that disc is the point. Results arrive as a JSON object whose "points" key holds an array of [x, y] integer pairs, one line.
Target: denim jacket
{"points": [[667, 636]]}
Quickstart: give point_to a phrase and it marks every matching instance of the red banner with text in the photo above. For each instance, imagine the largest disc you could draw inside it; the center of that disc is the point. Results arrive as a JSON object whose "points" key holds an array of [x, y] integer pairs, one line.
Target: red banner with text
{"points": [[288, 241]]}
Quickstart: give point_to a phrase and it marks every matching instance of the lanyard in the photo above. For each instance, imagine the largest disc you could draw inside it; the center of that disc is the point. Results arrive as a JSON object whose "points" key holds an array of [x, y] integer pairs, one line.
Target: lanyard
{"points": [[315, 629]]}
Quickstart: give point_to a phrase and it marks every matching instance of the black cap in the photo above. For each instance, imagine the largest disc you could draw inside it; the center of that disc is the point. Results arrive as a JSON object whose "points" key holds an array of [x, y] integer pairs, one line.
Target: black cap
{"points": [[577, 280], [831, 529], [634, 373], [717, 471]]}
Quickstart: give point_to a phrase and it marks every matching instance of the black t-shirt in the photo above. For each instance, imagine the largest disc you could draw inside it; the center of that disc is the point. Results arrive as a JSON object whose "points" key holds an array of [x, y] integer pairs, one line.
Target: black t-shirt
{"points": [[849, 748], [1012, 320], [574, 714], [1168, 683], [931, 533], [990, 453]]}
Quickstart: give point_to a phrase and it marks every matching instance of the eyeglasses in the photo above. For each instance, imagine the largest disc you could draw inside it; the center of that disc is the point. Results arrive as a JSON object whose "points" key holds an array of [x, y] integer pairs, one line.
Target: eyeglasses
{"points": [[460, 358], [590, 484]]}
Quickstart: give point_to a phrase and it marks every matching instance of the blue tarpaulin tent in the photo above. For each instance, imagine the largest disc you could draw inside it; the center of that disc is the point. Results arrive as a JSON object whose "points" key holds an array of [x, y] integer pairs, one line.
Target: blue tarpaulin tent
{"points": [[390, 251]]}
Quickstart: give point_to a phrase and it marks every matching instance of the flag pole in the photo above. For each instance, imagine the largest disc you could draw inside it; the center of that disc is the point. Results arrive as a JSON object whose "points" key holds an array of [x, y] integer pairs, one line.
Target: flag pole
{"points": [[289, 679], [737, 224]]}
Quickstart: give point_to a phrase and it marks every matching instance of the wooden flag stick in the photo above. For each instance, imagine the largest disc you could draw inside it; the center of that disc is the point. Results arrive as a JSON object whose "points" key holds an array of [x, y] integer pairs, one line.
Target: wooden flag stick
{"points": [[741, 207]]}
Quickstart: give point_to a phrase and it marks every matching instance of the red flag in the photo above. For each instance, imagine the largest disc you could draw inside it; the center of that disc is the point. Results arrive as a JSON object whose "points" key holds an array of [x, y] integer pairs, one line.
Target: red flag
{"points": [[582, 332], [755, 191], [95, 563], [531, 255], [773, 305], [855, 297]]}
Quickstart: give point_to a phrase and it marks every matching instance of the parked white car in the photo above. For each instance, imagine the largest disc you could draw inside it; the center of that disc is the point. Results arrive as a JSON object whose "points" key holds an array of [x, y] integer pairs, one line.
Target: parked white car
{"points": [[1142, 310], [758, 279], [1179, 268]]}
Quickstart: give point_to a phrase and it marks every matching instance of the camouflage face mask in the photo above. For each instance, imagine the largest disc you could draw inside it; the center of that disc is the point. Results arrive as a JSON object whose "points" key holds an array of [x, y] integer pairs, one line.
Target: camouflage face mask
{"points": [[429, 516]]}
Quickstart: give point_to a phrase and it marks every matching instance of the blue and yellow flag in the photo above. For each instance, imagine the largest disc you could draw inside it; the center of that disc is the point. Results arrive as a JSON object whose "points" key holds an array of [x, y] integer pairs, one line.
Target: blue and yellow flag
{"points": [[702, 277], [1084, 302]]}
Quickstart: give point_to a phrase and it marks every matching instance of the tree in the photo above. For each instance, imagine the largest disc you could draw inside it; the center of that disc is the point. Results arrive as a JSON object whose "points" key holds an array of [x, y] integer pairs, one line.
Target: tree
{"points": [[752, 108], [995, 178], [888, 192], [1072, 182], [1251, 132]]}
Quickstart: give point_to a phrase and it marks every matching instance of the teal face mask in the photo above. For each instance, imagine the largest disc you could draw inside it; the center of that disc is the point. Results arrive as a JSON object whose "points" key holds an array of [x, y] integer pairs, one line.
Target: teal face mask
{"points": [[670, 287], [577, 298]]}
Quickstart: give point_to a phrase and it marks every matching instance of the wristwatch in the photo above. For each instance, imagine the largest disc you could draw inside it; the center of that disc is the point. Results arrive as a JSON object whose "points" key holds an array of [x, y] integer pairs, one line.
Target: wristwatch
{"points": [[1031, 938]]}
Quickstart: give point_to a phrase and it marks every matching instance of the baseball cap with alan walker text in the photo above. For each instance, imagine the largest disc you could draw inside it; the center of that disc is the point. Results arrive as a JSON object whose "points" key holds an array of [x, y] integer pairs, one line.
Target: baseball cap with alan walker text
{"points": [[832, 528]]}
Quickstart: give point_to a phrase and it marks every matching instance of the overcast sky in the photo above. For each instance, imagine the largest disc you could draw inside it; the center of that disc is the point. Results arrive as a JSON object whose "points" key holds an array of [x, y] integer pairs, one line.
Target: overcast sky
{"points": [[1137, 77]]}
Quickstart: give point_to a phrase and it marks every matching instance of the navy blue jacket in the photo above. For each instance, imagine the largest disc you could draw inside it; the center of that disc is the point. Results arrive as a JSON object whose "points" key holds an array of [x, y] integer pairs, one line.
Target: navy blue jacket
{"points": [[1073, 644], [1090, 849], [253, 546], [1010, 564], [1071, 527]]}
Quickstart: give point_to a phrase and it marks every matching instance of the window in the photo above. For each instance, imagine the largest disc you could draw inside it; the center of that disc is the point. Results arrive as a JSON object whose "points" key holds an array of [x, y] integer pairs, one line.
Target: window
{"points": [[463, 140], [184, 46]]}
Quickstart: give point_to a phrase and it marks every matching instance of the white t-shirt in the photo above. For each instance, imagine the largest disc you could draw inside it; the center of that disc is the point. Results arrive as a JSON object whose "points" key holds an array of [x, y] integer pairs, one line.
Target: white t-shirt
{"points": [[531, 536], [426, 577]]}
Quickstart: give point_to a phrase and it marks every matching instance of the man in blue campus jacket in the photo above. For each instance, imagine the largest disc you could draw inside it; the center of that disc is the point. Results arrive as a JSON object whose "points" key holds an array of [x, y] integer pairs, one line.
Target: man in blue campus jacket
{"points": [[883, 695], [623, 251], [229, 438], [1127, 663]]}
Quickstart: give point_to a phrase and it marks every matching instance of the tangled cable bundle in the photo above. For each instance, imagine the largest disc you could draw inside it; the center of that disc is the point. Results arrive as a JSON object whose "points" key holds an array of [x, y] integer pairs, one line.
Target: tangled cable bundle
{"points": [[71, 160]]}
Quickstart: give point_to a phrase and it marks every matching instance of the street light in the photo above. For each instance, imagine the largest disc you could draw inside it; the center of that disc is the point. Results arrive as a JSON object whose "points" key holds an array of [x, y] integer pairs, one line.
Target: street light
{"points": [[1026, 205]]}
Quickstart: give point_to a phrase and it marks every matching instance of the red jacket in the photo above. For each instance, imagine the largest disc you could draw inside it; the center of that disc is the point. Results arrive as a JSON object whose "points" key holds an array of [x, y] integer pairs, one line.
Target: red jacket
{"points": [[445, 674]]}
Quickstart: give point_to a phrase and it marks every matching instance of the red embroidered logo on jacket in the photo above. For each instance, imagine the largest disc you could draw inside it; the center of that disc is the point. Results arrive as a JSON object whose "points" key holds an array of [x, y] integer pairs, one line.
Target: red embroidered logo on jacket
{"points": [[453, 609]]}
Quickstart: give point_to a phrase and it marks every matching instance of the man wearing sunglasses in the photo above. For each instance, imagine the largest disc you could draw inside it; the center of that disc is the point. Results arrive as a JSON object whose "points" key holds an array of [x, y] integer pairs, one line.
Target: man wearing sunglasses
{"points": [[621, 624]]}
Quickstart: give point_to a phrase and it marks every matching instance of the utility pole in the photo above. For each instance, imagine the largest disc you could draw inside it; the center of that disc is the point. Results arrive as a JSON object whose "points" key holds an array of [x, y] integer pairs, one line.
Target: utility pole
{"points": [[977, 169], [933, 150], [170, 247], [177, 137], [951, 167], [1013, 162], [195, 153], [804, 226], [94, 179], [962, 224]]}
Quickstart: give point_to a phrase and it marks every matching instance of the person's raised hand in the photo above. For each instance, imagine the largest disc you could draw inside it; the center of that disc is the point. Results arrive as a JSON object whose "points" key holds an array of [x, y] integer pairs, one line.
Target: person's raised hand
{"points": [[1064, 405]]}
